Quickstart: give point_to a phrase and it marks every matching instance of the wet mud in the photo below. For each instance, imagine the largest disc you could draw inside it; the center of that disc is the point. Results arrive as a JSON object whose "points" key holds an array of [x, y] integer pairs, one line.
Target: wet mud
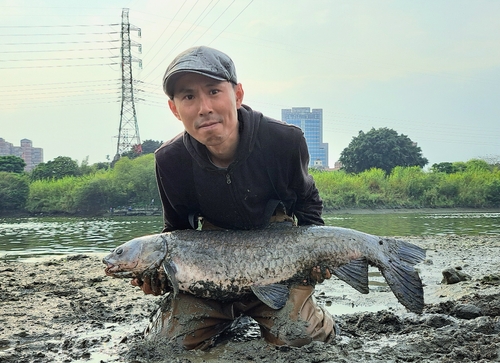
{"points": [[66, 310]]}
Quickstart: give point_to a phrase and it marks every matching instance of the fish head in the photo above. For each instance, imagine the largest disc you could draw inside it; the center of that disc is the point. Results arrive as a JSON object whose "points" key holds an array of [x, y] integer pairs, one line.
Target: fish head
{"points": [[136, 256]]}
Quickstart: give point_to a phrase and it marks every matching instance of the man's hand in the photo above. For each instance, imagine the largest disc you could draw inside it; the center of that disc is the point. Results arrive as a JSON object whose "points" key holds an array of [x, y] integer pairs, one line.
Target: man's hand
{"points": [[154, 282], [317, 276]]}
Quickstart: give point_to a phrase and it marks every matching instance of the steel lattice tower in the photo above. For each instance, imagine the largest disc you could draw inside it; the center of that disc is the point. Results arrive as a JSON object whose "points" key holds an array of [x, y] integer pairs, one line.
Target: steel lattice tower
{"points": [[128, 132]]}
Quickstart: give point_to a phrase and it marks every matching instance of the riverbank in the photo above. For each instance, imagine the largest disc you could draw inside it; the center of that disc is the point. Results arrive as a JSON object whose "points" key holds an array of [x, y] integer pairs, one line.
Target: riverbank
{"points": [[158, 212], [67, 310], [410, 210]]}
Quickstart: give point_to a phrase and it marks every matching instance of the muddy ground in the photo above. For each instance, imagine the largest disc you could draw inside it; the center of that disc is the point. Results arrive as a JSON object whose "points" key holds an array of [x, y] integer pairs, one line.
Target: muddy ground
{"points": [[67, 310]]}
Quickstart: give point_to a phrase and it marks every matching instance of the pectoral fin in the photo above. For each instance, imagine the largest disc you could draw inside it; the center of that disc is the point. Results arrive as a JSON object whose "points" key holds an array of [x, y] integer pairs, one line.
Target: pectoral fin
{"points": [[170, 270], [355, 273], [274, 295]]}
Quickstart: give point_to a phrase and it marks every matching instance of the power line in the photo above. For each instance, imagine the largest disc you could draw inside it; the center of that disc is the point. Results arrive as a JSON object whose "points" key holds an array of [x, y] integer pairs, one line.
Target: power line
{"points": [[190, 31], [59, 104], [55, 26], [55, 34], [55, 59], [59, 50], [178, 25], [59, 83], [231, 22], [64, 65], [227, 8], [60, 93], [79, 42], [164, 30]]}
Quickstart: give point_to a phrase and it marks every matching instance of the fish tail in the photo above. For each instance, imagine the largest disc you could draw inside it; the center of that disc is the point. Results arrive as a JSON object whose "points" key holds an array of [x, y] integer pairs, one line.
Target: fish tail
{"points": [[402, 277]]}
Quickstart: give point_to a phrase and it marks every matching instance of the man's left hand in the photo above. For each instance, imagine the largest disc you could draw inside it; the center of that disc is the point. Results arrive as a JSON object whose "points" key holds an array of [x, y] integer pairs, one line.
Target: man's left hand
{"points": [[318, 276]]}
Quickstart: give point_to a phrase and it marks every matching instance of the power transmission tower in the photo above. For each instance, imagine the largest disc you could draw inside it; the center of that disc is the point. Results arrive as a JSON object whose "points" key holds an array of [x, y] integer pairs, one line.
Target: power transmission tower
{"points": [[128, 132]]}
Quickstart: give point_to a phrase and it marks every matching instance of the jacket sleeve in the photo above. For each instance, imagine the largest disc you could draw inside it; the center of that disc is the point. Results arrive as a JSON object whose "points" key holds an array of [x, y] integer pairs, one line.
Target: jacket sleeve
{"points": [[171, 219], [176, 190], [308, 206]]}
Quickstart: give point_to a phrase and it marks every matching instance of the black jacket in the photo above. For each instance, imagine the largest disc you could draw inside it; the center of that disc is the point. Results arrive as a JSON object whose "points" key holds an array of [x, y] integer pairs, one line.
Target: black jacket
{"points": [[271, 165]]}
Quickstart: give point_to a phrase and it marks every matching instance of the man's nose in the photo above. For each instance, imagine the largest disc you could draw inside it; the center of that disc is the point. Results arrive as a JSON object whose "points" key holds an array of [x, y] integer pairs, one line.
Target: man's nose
{"points": [[205, 105]]}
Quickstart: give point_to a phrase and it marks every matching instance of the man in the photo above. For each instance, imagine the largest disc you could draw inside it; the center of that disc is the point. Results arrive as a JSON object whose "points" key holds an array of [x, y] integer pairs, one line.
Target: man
{"points": [[232, 168]]}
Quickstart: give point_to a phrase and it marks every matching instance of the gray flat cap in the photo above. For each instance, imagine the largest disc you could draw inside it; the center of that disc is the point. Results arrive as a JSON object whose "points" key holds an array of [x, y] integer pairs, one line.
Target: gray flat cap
{"points": [[202, 60]]}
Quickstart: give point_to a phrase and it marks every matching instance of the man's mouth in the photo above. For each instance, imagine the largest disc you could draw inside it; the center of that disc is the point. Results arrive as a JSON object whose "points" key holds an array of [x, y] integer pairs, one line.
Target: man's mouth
{"points": [[207, 124]]}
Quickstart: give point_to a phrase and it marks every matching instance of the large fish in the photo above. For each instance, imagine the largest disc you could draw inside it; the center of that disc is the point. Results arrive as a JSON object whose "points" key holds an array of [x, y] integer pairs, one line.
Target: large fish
{"points": [[225, 265]]}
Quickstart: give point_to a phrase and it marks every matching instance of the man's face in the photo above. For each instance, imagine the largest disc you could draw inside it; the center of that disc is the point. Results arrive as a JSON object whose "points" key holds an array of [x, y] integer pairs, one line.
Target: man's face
{"points": [[207, 108]]}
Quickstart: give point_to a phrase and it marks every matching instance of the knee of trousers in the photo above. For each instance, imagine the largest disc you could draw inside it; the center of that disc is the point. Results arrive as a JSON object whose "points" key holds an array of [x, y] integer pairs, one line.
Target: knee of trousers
{"points": [[301, 321]]}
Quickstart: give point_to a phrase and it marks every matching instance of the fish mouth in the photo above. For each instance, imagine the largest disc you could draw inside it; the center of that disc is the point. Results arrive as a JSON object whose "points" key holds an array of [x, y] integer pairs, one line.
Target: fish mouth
{"points": [[110, 269], [116, 270]]}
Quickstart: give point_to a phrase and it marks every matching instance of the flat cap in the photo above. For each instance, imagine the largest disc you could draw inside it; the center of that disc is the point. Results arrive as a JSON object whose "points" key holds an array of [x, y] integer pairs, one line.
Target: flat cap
{"points": [[202, 60]]}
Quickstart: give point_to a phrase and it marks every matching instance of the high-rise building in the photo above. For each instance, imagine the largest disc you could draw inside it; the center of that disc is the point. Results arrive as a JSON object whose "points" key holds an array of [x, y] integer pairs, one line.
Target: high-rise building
{"points": [[32, 156], [311, 123]]}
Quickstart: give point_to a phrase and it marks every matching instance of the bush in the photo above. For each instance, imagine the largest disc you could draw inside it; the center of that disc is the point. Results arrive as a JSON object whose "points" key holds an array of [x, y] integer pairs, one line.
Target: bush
{"points": [[14, 190]]}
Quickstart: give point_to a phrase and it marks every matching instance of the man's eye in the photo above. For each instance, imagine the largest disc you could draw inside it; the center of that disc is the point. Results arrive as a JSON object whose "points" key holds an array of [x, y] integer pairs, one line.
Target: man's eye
{"points": [[214, 91], [189, 97]]}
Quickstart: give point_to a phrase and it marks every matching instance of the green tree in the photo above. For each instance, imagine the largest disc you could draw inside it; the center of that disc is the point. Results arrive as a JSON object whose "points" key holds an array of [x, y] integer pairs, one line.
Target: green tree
{"points": [[147, 147], [58, 168], [383, 149], [12, 164], [445, 167], [136, 179], [150, 146], [14, 191], [97, 194]]}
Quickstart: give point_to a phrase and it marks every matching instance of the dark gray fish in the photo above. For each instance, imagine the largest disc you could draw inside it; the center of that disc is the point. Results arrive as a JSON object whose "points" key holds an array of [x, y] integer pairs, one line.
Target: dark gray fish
{"points": [[225, 265]]}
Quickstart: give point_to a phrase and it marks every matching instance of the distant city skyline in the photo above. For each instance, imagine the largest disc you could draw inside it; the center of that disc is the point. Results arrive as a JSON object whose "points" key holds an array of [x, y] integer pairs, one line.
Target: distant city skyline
{"points": [[32, 156]]}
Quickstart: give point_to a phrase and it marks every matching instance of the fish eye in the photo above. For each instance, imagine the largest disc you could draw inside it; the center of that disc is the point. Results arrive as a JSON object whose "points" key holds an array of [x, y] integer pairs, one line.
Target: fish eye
{"points": [[119, 251]]}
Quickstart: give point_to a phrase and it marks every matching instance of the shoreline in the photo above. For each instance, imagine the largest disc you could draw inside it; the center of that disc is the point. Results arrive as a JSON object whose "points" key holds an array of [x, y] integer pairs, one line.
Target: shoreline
{"points": [[65, 309], [157, 212], [412, 210]]}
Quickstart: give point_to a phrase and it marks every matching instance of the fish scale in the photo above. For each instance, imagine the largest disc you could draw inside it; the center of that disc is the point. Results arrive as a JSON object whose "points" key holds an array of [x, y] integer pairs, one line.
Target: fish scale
{"points": [[227, 264]]}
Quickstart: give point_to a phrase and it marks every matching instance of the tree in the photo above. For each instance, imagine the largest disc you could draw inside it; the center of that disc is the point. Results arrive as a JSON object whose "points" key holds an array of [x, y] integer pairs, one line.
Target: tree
{"points": [[56, 169], [445, 167], [147, 147], [12, 164], [460, 166], [14, 190], [150, 146], [380, 148]]}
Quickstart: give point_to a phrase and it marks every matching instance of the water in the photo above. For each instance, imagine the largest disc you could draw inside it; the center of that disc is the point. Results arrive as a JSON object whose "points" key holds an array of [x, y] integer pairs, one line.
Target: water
{"points": [[38, 237], [35, 237], [419, 224]]}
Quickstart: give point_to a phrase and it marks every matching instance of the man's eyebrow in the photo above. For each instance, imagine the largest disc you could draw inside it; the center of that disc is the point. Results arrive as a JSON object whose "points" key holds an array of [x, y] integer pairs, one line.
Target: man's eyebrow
{"points": [[185, 90], [208, 84]]}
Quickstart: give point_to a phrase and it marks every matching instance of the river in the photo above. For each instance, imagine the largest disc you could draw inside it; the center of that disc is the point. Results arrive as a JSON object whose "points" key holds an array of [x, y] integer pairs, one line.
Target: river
{"points": [[25, 238]]}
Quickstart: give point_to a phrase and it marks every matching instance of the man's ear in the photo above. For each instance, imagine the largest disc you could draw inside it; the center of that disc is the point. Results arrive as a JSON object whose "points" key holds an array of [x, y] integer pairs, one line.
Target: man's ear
{"points": [[238, 90], [173, 108]]}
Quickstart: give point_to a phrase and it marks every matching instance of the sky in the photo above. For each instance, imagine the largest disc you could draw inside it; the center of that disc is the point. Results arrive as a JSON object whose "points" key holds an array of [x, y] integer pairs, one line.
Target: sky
{"points": [[429, 70]]}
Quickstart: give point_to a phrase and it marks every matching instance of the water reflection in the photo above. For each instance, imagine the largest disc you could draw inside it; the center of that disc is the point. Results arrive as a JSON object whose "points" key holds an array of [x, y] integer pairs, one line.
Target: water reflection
{"points": [[31, 237], [419, 224], [28, 237]]}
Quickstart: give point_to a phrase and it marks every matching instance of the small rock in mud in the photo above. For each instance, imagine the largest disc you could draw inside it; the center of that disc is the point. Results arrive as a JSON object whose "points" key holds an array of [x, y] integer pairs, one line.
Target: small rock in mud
{"points": [[466, 311], [454, 275]]}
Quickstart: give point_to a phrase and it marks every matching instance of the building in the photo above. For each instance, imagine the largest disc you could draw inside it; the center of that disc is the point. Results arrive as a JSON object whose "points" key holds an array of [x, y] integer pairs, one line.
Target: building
{"points": [[32, 156], [311, 123]]}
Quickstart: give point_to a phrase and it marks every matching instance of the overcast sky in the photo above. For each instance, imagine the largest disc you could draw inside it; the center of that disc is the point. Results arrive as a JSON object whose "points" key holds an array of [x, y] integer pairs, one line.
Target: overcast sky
{"points": [[427, 69]]}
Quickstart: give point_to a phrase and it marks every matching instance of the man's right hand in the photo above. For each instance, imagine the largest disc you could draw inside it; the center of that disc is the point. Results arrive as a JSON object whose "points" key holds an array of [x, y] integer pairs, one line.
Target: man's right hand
{"points": [[154, 282]]}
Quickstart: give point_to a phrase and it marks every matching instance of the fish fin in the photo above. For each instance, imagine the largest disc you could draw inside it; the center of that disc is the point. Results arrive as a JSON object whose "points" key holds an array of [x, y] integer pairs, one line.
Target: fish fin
{"points": [[355, 273], [402, 277], [170, 270], [274, 295]]}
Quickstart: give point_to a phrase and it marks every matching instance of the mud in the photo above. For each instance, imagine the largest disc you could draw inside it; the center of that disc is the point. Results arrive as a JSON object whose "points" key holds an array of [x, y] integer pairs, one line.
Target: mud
{"points": [[67, 310]]}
